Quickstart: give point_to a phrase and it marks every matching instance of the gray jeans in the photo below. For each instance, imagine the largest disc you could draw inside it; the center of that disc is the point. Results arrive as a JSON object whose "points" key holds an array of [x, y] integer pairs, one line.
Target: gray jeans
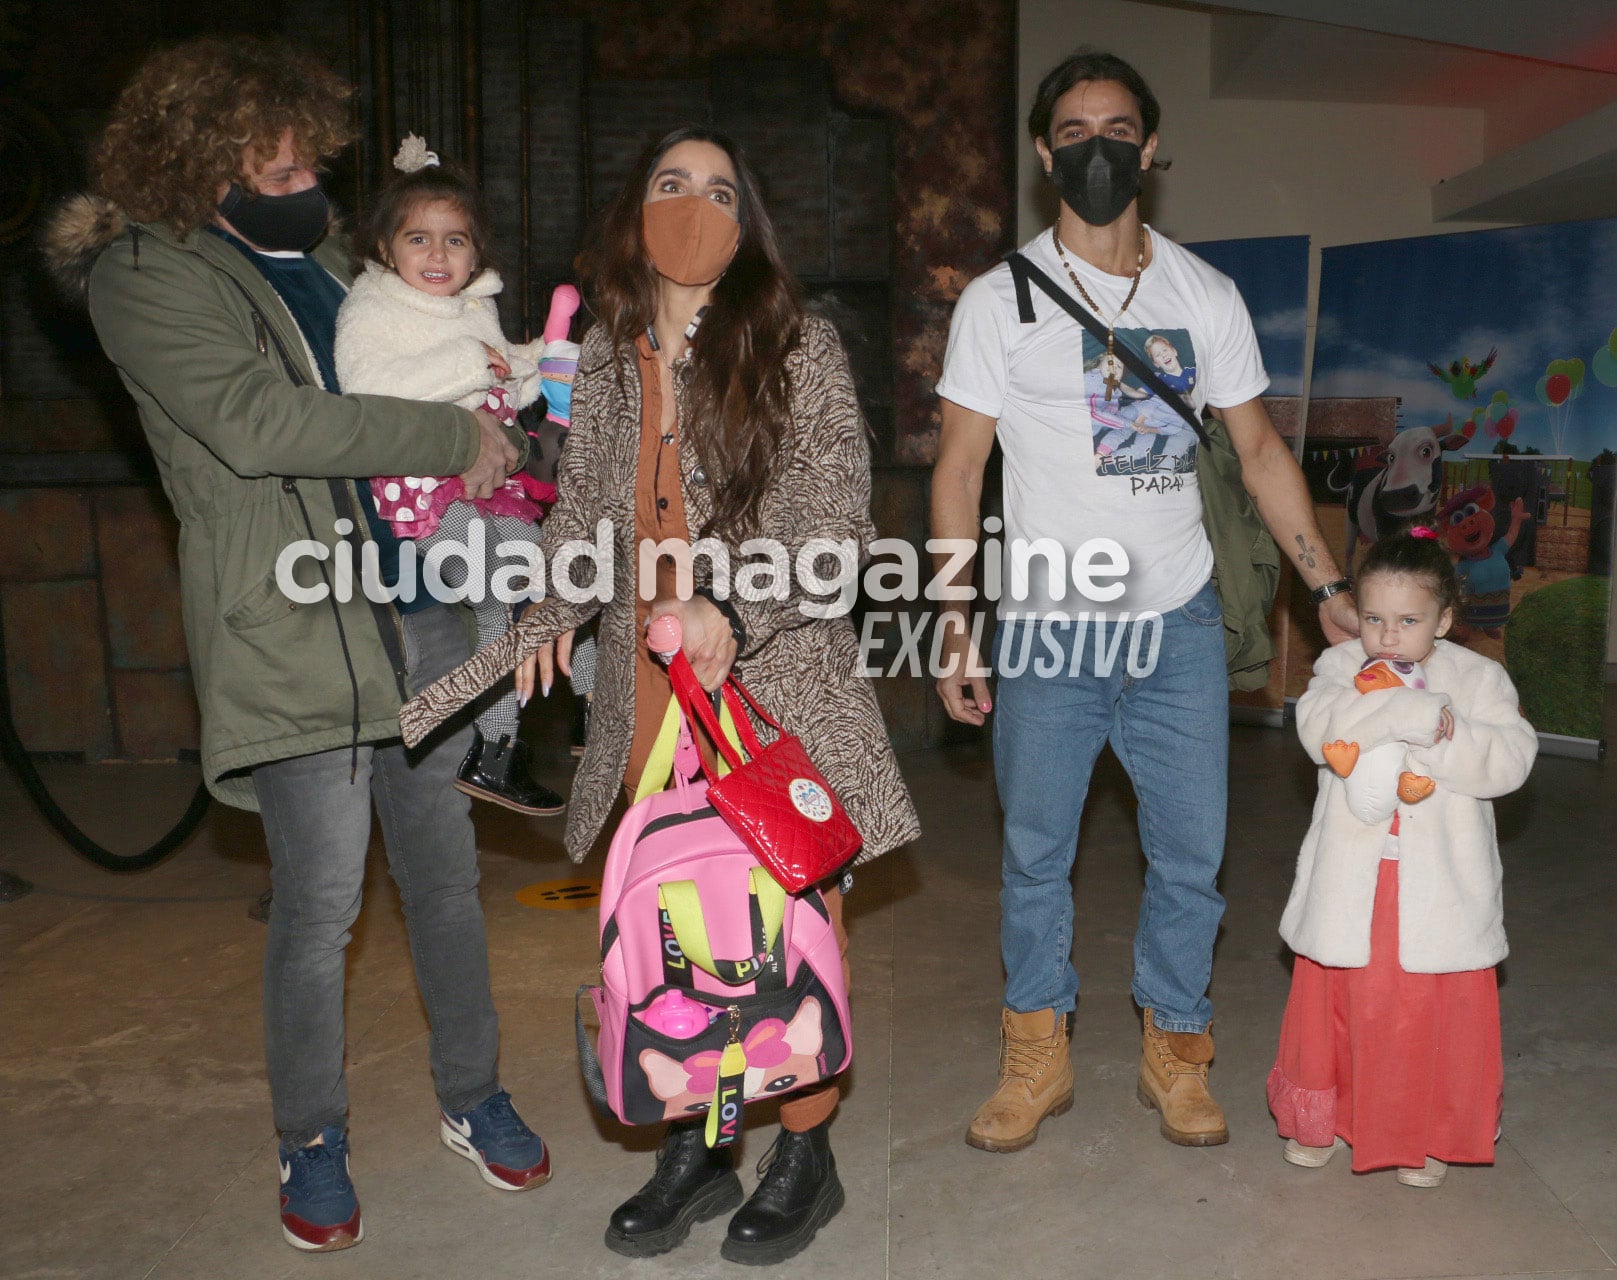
{"points": [[318, 826]]}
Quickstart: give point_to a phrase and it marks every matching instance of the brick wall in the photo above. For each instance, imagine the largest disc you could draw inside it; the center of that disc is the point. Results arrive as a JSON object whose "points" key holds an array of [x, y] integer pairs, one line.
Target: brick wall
{"points": [[89, 584]]}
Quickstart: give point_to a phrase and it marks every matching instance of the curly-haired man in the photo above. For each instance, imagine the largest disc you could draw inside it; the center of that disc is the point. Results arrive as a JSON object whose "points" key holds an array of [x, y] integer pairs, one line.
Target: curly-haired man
{"points": [[213, 282]]}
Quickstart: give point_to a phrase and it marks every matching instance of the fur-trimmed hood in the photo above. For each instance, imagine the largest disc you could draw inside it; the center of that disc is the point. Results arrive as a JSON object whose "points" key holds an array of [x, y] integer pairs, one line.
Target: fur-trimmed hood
{"points": [[74, 237], [85, 224]]}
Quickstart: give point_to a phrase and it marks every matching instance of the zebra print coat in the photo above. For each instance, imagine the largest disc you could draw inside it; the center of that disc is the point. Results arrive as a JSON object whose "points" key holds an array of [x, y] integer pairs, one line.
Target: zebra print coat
{"points": [[804, 669]]}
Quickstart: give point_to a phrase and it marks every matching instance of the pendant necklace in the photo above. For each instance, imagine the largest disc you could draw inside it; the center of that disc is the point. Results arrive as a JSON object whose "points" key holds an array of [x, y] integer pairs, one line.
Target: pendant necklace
{"points": [[1114, 381]]}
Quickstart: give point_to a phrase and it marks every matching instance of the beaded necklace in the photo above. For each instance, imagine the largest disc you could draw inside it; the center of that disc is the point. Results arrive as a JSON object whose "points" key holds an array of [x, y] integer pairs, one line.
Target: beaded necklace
{"points": [[1113, 380]]}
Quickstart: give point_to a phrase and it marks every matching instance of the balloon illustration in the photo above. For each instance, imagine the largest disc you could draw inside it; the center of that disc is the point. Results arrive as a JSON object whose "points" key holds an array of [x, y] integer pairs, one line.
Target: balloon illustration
{"points": [[1561, 384], [1502, 427], [1605, 366], [1604, 361], [1572, 370]]}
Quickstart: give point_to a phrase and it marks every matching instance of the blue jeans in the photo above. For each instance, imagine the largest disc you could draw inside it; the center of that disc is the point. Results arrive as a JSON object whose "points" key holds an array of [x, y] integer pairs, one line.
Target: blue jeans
{"points": [[1168, 722], [318, 826]]}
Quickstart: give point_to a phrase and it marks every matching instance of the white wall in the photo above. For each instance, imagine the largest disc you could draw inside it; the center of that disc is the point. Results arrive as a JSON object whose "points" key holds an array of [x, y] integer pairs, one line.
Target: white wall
{"points": [[1340, 173]]}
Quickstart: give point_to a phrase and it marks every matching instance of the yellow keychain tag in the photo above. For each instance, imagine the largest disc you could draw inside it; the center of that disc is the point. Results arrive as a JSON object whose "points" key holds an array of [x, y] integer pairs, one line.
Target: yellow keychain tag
{"points": [[724, 1116]]}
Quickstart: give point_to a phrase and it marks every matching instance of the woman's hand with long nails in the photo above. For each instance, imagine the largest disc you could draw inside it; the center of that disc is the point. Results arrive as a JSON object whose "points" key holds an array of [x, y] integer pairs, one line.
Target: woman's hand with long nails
{"points": [[540, 664]]}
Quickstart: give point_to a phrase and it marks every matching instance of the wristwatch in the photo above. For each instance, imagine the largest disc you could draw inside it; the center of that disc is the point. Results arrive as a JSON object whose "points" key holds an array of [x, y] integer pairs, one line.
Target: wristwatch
{"points": [[1322, 593]]}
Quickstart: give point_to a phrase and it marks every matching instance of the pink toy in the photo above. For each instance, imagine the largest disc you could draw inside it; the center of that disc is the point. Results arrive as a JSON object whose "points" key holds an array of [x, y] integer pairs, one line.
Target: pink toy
{"points": [[564, 304]]}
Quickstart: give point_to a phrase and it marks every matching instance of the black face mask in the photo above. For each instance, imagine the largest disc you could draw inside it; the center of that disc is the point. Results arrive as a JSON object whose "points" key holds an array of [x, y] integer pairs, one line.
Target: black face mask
{"points": [[1097, 177], [281, 224]]}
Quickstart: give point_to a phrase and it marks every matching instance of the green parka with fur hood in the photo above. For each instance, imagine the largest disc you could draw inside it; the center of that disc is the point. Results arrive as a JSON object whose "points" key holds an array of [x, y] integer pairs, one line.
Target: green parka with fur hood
{"points": [[255, 459]]}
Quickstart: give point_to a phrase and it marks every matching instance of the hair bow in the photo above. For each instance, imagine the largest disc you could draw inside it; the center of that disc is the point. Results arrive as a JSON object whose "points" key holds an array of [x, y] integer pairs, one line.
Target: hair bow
{"points": [[413, 155], [1421, 531]]}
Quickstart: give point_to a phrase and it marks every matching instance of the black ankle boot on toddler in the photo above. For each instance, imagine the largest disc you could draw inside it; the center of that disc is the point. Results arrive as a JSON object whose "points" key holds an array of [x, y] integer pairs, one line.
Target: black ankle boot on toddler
{"points": [[499, 772]]}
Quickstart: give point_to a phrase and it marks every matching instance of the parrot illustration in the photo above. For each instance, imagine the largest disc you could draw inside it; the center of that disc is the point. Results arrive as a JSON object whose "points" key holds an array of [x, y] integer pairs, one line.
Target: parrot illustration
{"points": [[1462, 375]]}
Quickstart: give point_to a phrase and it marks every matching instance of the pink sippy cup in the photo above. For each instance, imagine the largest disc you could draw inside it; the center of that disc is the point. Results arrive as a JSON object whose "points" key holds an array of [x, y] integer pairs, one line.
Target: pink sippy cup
{"points": [[673, 1015]]}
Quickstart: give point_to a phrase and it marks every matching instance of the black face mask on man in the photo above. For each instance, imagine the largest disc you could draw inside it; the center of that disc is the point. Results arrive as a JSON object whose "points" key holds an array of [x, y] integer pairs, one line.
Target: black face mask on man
{"points": [[1097, 177], [281, 224]]}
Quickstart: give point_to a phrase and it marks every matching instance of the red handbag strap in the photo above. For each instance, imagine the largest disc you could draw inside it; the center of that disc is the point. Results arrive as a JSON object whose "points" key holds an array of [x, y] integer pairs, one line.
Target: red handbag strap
{"points": [[693, 701], [697, 705], [735, 692]]}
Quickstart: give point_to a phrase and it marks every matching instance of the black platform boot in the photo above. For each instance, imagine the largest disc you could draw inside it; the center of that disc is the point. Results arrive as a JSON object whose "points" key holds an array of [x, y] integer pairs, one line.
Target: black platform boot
{"points": [[799, 1194], [692, 1184], [498, 771]]}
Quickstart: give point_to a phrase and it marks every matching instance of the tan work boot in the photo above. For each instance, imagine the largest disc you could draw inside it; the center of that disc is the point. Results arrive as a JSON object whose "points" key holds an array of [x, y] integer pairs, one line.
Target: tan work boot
{"points": [[1035, 1081], [1173, 1079]]}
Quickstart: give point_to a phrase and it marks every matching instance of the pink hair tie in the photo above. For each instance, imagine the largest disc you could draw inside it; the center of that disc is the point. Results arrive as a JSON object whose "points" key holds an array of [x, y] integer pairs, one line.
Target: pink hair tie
{"points": [[1421, 531]]}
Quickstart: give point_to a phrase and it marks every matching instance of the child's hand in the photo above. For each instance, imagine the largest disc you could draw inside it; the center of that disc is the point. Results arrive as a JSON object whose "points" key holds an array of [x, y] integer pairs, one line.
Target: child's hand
{"points": [[1445, 726], [497, 363]]}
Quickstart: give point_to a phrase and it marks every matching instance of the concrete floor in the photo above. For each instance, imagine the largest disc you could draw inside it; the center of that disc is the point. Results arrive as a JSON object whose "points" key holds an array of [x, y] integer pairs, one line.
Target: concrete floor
{"points": [[137, 1117]]}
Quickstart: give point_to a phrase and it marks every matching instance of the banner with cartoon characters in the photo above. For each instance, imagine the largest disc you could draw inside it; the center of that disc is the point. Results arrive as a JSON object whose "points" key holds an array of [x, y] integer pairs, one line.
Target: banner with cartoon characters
{"points": [[1469, 382], [1272, 275]]}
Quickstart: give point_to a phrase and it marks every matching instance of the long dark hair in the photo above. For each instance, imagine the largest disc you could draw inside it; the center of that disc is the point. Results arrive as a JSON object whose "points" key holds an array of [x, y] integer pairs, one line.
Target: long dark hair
{"points": [[740, 389]]}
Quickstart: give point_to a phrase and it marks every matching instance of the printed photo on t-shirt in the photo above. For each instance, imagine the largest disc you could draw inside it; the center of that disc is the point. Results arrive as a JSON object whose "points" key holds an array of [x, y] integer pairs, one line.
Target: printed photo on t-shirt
{"points": [[1136, 432]]}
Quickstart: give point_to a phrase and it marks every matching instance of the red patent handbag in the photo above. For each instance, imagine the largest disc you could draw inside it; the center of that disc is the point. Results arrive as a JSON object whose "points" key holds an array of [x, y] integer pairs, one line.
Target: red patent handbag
{"points": [[773, 797]]}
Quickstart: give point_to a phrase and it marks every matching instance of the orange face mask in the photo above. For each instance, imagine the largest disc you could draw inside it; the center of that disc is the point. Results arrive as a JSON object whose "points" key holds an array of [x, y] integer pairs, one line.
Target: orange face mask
{"points": [[690, 239]]}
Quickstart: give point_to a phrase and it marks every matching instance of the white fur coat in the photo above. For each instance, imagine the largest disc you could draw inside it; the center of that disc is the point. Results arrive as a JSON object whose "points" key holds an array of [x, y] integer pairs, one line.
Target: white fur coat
{"points": [[394, 340], [1450, 906]]}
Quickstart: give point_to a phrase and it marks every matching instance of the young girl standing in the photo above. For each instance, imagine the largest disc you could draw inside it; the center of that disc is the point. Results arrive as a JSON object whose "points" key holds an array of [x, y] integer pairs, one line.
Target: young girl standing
{"points": [[1390, 1040], [421, 323]]}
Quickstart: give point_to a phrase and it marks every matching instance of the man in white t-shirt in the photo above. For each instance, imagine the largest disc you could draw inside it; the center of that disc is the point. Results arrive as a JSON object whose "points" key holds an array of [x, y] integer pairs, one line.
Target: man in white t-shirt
{"points": [[1109, 627]]}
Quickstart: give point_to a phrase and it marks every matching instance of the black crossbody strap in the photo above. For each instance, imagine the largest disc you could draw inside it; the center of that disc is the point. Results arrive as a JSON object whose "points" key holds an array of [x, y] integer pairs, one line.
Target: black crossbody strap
{"points": [[1023, 271]]}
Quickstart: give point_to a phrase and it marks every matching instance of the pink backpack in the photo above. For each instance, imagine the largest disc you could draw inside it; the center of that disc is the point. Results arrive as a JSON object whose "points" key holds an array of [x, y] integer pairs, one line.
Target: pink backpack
{"points": [[717, 986]]}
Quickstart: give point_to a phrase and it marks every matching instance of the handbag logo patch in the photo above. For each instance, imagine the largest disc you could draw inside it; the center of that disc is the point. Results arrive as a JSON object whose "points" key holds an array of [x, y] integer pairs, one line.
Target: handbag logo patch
{"points": [[809, 798]]}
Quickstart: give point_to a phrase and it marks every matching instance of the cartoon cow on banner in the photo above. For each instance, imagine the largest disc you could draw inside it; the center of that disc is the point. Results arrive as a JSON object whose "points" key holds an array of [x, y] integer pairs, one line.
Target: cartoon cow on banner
{"points": [[1396, 484]]}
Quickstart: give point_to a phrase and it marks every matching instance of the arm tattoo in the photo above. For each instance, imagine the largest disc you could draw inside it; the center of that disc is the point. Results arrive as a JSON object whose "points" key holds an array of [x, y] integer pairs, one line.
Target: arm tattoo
{"points": [[1306, 554]]}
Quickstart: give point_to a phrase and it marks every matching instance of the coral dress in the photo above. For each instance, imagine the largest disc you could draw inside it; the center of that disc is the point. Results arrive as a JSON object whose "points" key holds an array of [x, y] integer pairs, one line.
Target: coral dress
{"points": [[1400, 1066]]}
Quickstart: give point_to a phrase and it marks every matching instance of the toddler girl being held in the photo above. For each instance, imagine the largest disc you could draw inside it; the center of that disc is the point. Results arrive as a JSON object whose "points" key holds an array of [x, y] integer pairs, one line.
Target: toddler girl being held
{"points": [[421, 323], [1390, 1040]]}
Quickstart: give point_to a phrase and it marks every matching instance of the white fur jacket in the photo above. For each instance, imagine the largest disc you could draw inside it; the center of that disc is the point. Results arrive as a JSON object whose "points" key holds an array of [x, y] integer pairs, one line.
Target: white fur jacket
{"points": [[394, 340], [1450, 906]]}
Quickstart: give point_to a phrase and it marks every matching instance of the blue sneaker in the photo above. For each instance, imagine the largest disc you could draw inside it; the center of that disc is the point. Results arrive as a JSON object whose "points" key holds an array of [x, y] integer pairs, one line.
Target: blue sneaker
{"points": [[319, 1210], [507, 1153]]}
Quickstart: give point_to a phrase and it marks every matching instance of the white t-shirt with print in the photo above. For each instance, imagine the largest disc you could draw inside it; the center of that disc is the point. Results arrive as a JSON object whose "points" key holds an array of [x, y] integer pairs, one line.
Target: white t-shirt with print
{"points": [[1082, 464]]}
